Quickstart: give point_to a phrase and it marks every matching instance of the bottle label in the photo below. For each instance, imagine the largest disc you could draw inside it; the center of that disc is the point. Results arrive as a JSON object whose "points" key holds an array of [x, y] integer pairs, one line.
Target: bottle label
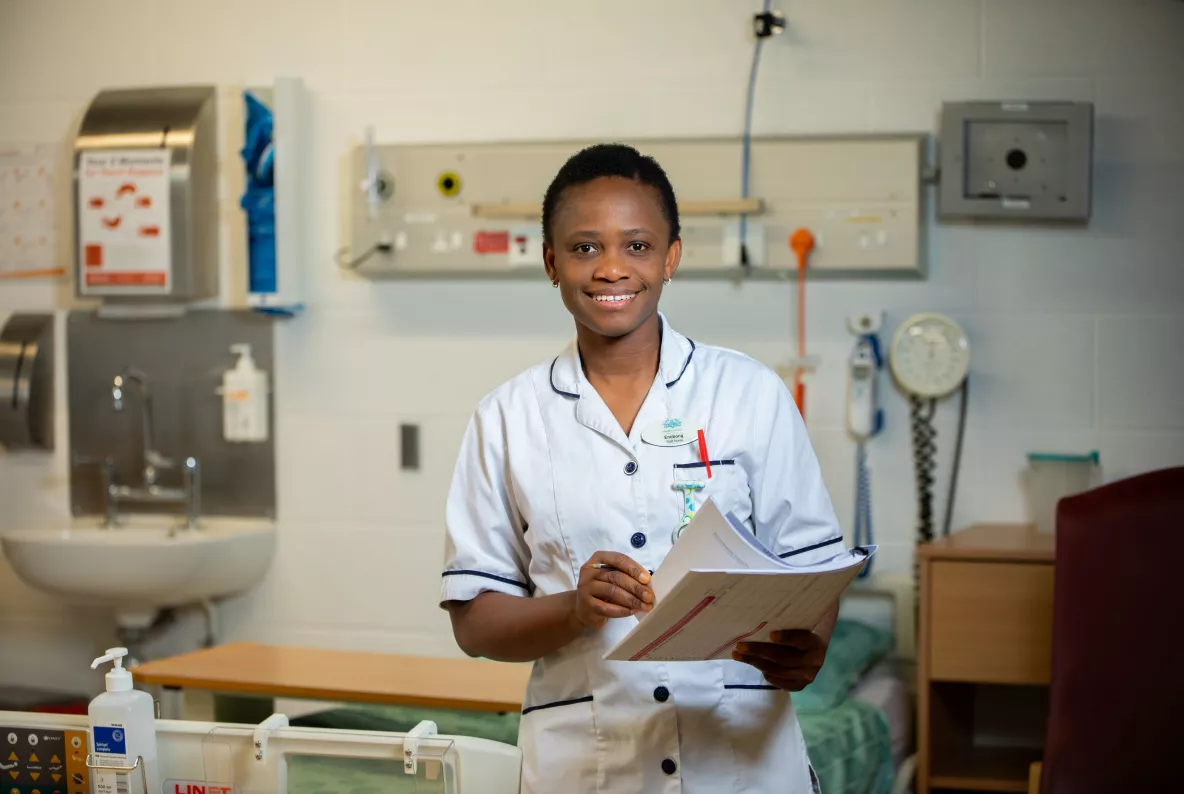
{"points": [[110, 740], [110, 743]]}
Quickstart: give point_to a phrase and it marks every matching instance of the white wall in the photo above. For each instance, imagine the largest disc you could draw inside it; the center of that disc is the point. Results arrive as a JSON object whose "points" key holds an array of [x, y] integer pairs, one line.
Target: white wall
{"points": [[1074, 333]]}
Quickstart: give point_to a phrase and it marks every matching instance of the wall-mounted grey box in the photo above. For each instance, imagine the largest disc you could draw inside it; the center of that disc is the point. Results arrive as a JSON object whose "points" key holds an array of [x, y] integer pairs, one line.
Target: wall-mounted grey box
{"points": [[1020, 160]]}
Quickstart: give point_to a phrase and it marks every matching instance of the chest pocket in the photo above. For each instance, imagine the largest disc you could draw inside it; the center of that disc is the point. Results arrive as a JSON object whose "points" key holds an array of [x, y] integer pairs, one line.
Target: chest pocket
{"points": [[727, 487]]}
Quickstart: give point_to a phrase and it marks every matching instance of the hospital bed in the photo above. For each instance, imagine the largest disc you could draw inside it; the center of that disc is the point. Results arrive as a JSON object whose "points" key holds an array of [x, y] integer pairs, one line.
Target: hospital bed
{"points": [[858, 716], [857, 719]]}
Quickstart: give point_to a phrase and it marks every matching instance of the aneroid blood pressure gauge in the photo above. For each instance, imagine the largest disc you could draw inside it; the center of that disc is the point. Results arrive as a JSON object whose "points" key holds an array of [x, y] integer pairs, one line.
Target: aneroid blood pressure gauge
{"points": [[929, 358], [929, 355]]}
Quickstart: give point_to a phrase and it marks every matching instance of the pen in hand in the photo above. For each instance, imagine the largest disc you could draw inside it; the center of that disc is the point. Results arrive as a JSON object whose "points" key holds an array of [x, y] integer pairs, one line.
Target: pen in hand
{"points": [[611, 585], [606, 567]]}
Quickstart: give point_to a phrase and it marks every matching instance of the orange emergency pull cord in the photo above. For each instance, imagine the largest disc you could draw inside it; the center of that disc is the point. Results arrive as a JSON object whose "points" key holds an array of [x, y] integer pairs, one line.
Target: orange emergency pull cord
{"points": [[801, 242]]}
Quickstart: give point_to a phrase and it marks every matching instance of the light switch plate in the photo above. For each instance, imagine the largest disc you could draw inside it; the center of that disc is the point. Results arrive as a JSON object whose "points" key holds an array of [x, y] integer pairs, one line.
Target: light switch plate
{"points": [[409, 447], [1020, 160]]}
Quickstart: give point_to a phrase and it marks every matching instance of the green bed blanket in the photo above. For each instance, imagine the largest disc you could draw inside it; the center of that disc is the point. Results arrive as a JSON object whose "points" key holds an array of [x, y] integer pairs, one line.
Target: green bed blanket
{"points": [[850, 748]]}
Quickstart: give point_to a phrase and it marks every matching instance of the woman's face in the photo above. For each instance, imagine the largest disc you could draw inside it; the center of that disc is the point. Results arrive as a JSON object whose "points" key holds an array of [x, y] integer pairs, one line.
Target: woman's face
{"points": [[610, 254]]}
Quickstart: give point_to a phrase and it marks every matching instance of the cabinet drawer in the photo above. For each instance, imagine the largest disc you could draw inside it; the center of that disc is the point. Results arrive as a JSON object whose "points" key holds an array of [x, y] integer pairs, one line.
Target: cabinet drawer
{"points": [[990, 622]]}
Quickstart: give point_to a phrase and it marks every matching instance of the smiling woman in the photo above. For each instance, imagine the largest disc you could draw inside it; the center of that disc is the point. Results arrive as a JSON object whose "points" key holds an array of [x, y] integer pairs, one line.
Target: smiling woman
{"points": [[610, 243], [611, 238], [567, 495]]}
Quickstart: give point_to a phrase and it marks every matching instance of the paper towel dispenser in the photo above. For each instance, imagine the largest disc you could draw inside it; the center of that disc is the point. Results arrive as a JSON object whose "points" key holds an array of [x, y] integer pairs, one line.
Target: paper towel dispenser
{"points": [[26, 382], [146, 196]]}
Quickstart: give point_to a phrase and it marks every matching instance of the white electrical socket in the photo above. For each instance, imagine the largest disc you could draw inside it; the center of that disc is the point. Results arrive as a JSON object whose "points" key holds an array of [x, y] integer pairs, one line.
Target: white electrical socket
{"points": [[755, 238]]}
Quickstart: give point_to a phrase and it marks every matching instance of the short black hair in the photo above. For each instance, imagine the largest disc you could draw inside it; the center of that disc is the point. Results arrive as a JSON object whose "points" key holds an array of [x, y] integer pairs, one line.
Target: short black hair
{"points": [[611, 159]]}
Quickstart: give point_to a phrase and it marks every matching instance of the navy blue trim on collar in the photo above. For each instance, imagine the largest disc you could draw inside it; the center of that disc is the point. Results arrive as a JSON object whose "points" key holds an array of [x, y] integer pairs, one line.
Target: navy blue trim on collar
{"points": [[482, 574], [685, 364], [681, 372], [700, 464], [751, 686], [831, 542], [556, 704], [555, 388]]}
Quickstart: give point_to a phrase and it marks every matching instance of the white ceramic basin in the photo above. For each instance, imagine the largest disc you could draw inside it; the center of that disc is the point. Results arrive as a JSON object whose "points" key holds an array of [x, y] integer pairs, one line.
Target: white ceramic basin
{"points": [[144, 565]]}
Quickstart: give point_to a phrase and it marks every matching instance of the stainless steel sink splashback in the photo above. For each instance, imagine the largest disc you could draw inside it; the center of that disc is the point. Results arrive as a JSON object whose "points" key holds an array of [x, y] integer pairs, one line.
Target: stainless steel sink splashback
{"points": [[182, 360]]}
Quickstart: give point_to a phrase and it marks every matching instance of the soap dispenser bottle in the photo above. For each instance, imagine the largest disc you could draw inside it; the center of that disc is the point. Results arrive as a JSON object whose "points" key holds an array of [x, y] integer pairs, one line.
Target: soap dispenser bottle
{"points": [[122, 730], [244, 399]]}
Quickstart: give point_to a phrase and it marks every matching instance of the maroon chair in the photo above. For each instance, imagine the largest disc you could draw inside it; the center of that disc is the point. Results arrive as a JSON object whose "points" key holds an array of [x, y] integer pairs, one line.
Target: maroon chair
{"points": [[1116, 706]]}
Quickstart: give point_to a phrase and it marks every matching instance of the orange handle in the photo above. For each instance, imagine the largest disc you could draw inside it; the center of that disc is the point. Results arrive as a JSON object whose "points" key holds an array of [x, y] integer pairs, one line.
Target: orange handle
{"points": [[801, 242]]}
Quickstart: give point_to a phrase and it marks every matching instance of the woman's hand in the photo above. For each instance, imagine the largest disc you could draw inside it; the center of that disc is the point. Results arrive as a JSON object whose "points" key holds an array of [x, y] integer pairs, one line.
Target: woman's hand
{"points": [[615, 592], [790, 660]]}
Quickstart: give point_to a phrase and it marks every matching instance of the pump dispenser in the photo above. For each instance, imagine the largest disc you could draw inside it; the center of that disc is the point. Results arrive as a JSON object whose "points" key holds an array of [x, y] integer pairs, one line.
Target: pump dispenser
{"points": [[117, 679], [122, 732], [244, 399]]}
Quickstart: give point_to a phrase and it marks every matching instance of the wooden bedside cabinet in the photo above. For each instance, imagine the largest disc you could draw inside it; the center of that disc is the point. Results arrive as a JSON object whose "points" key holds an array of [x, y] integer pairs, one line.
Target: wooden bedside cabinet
{"points": [[983, 657]]}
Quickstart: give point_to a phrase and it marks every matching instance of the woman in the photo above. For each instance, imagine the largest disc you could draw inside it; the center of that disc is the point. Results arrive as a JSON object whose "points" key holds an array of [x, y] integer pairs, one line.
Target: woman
{"points": [[556, 473]]}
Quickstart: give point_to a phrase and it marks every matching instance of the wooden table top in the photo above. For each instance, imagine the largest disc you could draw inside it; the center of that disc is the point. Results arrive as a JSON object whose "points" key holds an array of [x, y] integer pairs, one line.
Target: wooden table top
{"points": [[317, 674], [1001, 542]]}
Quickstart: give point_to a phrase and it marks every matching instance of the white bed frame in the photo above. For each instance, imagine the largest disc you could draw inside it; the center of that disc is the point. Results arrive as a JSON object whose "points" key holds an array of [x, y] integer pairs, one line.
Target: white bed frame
{"points": [[253, 758], [888, 601]]}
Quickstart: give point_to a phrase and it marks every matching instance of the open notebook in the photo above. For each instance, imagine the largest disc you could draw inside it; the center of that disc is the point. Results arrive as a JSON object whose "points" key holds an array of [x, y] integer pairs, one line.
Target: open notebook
{"points": [[719, 585]]}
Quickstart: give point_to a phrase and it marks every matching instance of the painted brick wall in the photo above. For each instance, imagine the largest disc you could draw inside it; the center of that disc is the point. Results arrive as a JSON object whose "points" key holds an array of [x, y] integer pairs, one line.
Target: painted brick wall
{"points": [[1074, 332]]}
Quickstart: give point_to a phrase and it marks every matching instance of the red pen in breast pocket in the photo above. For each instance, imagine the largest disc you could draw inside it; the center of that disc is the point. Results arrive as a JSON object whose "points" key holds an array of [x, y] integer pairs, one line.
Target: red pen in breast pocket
{"points": [[703, 453]]}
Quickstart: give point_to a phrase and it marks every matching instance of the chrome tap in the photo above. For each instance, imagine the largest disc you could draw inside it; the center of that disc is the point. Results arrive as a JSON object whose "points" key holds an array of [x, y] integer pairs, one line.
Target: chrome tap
{"points": [[150, 492], [152, 459]]}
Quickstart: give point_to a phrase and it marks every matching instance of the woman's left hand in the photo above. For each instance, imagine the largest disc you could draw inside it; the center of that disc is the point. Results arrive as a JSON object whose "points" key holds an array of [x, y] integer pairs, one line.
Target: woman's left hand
{"points": [[790, 660]]}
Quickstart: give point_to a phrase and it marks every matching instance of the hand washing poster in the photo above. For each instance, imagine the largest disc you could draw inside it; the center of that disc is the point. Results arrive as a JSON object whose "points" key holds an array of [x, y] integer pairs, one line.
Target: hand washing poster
{"points": [[123, 221]]}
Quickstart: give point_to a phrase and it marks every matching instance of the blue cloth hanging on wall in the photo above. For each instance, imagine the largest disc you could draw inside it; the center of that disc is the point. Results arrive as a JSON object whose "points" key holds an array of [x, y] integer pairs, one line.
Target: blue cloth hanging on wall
{"points": [[259, 198]]}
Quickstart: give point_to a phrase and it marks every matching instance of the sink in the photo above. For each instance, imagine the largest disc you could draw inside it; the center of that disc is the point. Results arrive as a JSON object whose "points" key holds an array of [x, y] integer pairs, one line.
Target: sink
{"points": [[144, 565]]}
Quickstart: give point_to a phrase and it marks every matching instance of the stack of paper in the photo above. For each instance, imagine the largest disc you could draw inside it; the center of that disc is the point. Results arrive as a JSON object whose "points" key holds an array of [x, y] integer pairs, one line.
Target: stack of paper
{"points": [[719, 586]]}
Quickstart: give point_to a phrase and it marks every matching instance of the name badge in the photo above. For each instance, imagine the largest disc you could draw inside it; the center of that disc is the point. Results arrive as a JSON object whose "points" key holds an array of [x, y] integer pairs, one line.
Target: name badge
{"points": [[671, 433]]}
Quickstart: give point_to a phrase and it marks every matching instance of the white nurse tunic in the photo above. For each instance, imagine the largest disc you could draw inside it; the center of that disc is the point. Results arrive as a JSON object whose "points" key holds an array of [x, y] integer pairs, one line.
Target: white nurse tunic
{"points": [[546, 477]]}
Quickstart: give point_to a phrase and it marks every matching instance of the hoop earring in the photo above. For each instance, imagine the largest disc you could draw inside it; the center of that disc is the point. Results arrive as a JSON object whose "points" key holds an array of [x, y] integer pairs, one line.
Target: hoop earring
{"points": [[555, 284], [666, 281]]}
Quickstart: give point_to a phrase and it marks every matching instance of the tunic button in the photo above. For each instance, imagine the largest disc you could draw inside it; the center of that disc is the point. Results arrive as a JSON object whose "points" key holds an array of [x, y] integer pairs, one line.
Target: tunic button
{"points": [[638, 540], [661, 694], [669, 767], [631, 468]]}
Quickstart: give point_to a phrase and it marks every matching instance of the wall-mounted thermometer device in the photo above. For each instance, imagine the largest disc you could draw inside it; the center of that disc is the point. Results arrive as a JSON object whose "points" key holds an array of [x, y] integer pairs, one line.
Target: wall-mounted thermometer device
{"points": [[864, 417], [863, 372]]}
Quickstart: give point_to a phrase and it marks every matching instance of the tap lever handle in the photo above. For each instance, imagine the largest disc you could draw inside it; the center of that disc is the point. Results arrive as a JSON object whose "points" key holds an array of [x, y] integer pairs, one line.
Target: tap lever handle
{"points": [[192, 475]]}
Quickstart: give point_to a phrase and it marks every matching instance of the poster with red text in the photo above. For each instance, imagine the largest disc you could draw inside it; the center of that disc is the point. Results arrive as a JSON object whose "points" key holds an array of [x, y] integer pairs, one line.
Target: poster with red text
{"points": [[123, 222]]}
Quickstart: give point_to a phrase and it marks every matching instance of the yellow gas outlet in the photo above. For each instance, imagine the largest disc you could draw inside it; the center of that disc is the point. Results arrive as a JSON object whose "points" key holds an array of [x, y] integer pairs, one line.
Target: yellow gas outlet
{"points": [[448, 183]]}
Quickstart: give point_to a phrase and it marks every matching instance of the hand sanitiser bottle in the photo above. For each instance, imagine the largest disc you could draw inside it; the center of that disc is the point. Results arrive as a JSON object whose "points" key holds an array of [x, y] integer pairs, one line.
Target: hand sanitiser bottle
{"points": [[122, 729], [244, 399]]}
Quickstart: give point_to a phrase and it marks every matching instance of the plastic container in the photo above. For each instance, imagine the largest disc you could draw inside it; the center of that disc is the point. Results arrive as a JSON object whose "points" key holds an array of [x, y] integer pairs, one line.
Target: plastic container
{"points": [[244, 399], [122, 733], [1052, 477]]}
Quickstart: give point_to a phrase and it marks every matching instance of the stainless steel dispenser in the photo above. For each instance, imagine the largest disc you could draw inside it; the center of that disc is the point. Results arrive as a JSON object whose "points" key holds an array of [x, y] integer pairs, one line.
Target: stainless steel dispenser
{"points": [[26, 382], [146, 196]]}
